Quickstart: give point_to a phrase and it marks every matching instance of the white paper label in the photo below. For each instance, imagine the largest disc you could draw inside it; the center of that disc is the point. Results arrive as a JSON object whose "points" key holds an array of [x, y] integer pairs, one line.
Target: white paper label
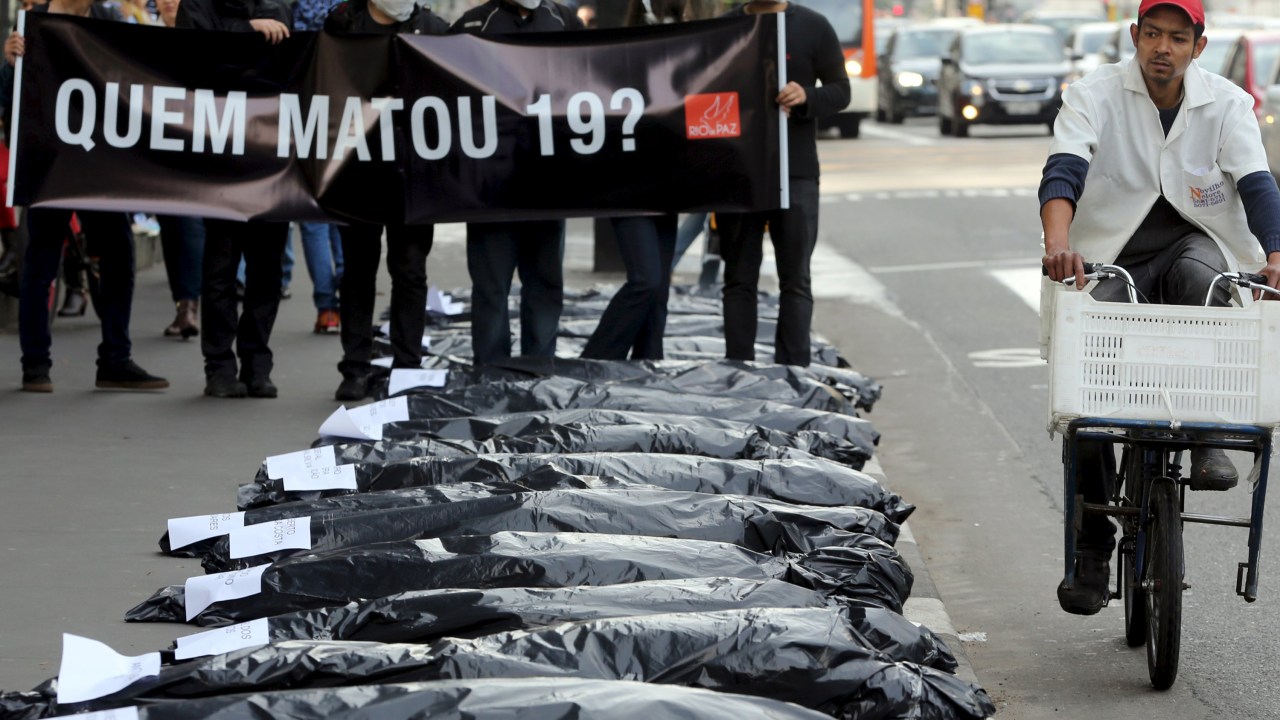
{"points": [[339, 477], [91, 670], [223, 639], [205, 590], [385, 329], [382, 362], [442, 302], [124, 713], [185, 530], [286, 534], [280, 465], [402, 379], [340, 424]]}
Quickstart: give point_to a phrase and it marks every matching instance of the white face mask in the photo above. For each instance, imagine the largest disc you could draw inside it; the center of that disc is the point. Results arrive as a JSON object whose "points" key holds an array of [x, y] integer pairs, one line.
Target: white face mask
{"points": [[529, 4], [398, 10]]}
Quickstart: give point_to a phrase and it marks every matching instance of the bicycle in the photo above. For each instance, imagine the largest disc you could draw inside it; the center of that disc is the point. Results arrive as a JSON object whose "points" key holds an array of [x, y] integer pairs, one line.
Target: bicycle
{"points": [[1160, 380]]}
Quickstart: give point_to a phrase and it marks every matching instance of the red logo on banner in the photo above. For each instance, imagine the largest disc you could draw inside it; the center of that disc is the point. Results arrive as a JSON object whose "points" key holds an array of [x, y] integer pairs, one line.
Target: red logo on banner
{"points": [[714, 115]]}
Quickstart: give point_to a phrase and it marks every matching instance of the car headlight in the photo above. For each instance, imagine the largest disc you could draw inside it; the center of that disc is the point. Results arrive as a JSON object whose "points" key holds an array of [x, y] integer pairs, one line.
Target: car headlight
{"points": [[974, 88], [853, 68], [910, 79]]}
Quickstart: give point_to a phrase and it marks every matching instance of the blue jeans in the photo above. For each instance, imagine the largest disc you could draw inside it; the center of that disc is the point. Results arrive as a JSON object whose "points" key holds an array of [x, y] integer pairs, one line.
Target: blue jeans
{"points": [[182, 240], [636, 317], [111, 240], [322, 251], [495, 251], [690, 229]]}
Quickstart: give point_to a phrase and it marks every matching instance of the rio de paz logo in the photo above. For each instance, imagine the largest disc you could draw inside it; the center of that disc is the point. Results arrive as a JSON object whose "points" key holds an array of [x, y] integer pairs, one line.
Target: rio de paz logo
{"points": [[712, 115]]}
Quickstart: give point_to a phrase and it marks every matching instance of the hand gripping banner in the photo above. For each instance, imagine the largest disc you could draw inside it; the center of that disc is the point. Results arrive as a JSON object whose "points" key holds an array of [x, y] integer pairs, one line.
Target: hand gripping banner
{"points": [[398, 129]]}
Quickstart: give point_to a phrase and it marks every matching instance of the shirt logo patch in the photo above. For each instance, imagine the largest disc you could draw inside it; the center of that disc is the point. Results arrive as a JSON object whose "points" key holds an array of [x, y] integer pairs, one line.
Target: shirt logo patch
{"points": [[712, 115], [1205, 197]]}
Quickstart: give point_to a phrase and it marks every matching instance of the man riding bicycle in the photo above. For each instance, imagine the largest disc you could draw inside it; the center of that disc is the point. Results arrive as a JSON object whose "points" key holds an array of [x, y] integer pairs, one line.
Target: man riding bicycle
{"points": [[1158, 167]]}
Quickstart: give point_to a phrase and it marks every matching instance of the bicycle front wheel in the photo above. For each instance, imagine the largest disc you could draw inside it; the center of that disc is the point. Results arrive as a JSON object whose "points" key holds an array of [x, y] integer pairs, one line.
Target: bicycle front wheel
{"points": [[1163, 583]]}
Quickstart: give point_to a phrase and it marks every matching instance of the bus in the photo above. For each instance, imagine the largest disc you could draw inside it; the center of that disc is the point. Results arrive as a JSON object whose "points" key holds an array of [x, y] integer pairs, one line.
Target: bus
{"points": [[854, 22]]}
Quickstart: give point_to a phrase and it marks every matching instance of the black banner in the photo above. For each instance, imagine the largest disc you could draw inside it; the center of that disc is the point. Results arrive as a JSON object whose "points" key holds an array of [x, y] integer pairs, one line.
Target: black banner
{"points": [[403, 128]]}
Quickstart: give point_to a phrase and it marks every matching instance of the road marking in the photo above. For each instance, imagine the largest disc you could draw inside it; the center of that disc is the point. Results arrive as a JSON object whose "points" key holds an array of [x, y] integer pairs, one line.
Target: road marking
{"points": [[883, 133], [932, 194], [836, 277], [1024, 282], [1007, 358], [955, 265]]}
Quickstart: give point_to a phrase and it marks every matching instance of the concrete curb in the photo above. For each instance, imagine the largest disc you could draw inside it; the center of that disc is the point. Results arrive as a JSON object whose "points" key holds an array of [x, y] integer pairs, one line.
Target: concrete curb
{"points": [[925, 605]]}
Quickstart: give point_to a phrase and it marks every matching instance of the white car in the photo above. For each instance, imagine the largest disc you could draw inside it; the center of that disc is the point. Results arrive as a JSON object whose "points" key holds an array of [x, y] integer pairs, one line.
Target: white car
{"points": [[1086, 42]]}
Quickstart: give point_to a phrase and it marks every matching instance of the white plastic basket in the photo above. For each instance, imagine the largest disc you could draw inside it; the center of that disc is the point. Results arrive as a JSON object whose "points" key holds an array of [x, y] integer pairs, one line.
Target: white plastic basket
{"points": [[1163, 362]]}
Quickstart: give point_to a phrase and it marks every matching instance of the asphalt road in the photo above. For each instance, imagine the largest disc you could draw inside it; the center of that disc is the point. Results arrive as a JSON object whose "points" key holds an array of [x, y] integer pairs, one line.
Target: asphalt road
{"points": [[945, 234]]}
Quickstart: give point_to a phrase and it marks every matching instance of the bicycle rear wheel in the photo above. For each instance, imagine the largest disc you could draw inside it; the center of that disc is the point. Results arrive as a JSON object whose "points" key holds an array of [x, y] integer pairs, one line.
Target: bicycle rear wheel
{"points": [[1135, 599], [1163, 581]]}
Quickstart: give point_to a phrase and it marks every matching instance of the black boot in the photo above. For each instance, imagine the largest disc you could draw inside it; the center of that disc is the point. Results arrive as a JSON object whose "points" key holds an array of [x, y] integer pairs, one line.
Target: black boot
{"points": [[1092, 588]]}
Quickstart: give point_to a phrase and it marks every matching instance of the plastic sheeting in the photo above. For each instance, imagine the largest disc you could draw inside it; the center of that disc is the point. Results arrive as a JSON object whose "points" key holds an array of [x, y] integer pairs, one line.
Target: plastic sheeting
{"points": [[753, 523], [817, 387], [869, 573], [808, 656], [547, 477], [430, 615], [557, 393], [496, 699], [727, 444], [806, 482]]}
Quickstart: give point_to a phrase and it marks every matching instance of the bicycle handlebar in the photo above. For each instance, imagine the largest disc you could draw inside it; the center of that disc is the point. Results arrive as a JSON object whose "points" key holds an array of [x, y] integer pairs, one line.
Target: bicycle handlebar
{"points": [[1100, 271]]}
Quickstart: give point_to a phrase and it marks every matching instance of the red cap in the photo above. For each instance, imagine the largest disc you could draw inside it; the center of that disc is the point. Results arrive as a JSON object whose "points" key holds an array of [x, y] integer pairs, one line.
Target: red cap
{"points": [[1193, 8]]}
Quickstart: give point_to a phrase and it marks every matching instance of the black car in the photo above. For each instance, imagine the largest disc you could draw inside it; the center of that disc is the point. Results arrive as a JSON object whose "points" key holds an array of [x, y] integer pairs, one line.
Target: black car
{"points": [[1002, 75], [907, 71]]}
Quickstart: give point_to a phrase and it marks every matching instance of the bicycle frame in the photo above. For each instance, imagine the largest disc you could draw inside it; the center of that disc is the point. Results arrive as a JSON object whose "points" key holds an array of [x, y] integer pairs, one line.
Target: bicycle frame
{"points": [[1183, 436]]}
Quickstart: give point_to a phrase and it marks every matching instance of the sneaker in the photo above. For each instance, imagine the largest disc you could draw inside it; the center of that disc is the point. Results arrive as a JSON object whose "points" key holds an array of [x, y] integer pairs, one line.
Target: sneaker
{"points": [[352, 388], [285, 293], [224, 386], [128, 376], [1092, 589], [327, 322], [263, 388], [36, 381], [1211, 469]]}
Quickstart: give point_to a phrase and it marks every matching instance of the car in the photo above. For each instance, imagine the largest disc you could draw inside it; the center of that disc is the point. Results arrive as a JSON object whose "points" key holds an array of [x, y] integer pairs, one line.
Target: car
{"points": [[1120, 45], [1002, 75], [907, 71], [1062, 21], [1214, 56], [1085, 44], [1251, 62], [1269, 122]]}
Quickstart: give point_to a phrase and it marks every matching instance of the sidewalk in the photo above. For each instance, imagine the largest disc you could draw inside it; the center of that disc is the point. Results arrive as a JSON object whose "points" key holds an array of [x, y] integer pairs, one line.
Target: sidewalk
{"points": [[90, 477]]}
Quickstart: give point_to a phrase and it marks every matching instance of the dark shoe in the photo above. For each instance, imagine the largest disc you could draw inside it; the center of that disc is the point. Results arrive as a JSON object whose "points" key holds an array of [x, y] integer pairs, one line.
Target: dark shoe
{"points": [[36, 381], [328, 323], [1211, 469], [129, 377], [352, 388], [263, 388], [1092, 590], [74, 305], [186, 321], [9, 284], [222, 386]]}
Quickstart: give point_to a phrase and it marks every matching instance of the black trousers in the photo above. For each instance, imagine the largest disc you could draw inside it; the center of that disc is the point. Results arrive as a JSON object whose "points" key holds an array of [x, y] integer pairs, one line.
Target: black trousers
{"points": [[794, 233], [636, 318], [261, 244], [1171, 270], [407, 250]]}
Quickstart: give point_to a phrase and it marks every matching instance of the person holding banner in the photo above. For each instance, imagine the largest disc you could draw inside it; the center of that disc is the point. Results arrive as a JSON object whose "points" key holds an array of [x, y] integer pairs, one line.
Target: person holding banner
{"points": [[813, 56], [112, 237], [407, 245], [534, 248], [636, 319], [260, 243]]}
